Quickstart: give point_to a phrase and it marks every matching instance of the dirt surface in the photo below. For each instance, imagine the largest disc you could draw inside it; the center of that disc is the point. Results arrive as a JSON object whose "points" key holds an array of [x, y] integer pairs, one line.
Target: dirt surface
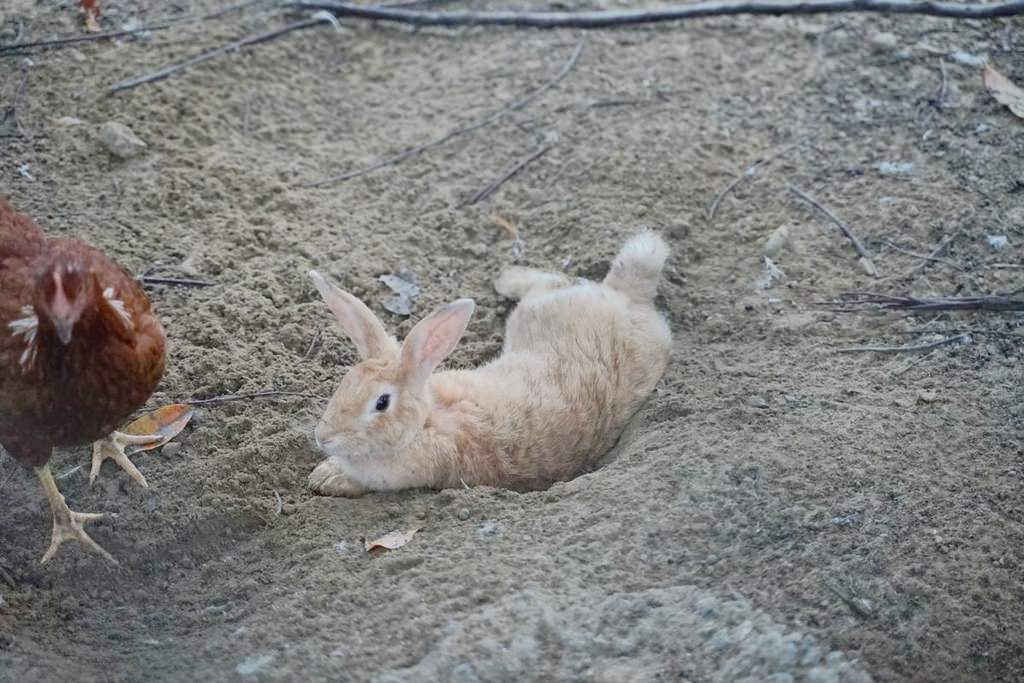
{"points": [[777, 508]]}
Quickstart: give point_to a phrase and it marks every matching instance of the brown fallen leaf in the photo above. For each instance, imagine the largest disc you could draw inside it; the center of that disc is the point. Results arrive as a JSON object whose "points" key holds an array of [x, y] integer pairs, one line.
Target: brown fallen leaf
{"points": [[1004, 90], [92, 14], [166, 422], [392, 541], [511, 232]]}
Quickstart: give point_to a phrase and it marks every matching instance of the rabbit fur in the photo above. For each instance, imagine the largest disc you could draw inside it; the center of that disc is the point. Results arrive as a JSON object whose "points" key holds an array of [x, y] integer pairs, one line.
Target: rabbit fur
{"points": [[579, 359]]}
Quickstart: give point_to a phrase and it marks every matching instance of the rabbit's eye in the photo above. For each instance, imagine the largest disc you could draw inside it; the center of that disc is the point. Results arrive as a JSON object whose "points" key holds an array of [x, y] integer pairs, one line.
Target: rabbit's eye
{"points": [[383, 402]]}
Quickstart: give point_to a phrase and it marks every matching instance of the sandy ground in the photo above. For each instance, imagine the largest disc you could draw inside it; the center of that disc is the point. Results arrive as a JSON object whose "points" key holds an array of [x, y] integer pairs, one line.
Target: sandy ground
{"points": [[776, 508]]}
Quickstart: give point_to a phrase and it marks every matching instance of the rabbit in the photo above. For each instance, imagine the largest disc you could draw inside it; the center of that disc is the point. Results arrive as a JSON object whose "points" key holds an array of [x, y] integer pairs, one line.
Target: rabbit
{"points": [[579, 359]]}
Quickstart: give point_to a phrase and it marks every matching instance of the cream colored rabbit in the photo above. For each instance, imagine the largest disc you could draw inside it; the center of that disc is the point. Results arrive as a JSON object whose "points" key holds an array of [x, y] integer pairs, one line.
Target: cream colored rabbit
{"points": [[579, 360]]}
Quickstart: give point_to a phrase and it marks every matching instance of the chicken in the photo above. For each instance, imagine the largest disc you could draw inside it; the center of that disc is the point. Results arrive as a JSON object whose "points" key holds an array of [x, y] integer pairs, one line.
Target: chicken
{"points": [[80, 350]]}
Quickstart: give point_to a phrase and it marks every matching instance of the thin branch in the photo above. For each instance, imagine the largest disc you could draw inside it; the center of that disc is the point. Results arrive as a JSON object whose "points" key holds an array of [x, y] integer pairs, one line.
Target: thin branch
{"points": [[857, 245], [857, 605], [933, 256], [218, 52], [749, 173], [928, 257], [159, 26], [461, 130], [228, 398], [184, 282], [506, 175], [605, 19], [859, 301], [912, 348], [314, 344]]}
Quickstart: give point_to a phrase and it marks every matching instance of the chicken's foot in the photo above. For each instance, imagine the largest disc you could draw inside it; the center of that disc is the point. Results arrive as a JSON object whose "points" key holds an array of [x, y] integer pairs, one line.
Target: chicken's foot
{"points": [[113, 447], [67, 524]]}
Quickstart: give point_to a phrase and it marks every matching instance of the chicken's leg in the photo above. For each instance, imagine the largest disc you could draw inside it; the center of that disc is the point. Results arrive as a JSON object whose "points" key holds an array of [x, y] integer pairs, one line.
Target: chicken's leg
{"points": [[67, 524], [113, 447]]}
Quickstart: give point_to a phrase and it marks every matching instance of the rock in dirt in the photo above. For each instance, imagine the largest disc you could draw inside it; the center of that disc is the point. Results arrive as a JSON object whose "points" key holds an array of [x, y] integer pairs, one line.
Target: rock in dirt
{"points": [[895, 168], [119, 140], [776, 241]]}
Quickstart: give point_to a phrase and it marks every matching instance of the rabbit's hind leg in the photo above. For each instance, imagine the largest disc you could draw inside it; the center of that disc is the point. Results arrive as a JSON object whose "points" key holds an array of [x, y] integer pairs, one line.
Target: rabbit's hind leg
{"points": [[517, 282]]}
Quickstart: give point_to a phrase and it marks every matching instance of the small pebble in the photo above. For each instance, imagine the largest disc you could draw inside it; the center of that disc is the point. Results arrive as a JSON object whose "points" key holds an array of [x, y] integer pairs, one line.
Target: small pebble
{"points": [[968, 59], [893, 168], [462, 514], [758, 402], [172, 449], [289, 509], [119, 140], [776, 241], [488, 529], [997, 242], [927, 396], [867, 266]]}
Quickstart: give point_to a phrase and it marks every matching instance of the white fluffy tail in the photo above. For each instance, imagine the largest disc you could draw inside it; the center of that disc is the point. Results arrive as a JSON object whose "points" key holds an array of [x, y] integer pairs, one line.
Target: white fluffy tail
{"points": [[637, 269]]}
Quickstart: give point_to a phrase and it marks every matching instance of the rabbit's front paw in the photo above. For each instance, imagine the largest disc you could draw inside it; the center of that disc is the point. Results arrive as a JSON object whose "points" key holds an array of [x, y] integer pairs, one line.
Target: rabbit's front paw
{"points": [[328, 480]]}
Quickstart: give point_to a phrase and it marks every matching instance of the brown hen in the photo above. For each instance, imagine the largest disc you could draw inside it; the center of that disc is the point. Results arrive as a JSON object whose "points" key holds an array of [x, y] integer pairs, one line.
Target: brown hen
{"points": [[80, 350]]}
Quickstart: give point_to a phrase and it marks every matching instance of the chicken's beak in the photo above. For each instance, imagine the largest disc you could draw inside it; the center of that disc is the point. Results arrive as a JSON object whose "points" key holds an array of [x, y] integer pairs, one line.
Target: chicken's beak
{"points": [[64, 328]]}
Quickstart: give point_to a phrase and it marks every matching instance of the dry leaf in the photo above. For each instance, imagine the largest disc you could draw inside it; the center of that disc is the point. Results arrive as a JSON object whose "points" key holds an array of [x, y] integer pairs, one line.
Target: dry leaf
{"points": [[511, 232], [1004, 90], [92, 14], [166, 422], [392, 541], [403, 284]]}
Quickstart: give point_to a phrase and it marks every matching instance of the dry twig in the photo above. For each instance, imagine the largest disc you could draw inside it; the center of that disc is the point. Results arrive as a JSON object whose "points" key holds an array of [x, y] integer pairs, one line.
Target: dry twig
{"points": [[314, 344], [461, 130], [218, 52], [857, 245], [506, 175], [860, 301], [228, 398], [16, 48], [858, 606], [183, 282], [933, 256], [912, 348], [749, 173], [711, 8]]}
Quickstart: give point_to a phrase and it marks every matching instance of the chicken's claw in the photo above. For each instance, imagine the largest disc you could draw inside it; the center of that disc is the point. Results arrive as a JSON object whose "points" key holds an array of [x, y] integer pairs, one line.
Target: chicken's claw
{"points": [[113, 447], [67, 524]]}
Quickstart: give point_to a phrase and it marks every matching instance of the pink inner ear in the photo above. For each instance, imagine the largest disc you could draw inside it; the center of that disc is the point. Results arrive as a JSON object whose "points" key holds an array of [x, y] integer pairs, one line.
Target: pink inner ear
{"points": [[438, 336]]}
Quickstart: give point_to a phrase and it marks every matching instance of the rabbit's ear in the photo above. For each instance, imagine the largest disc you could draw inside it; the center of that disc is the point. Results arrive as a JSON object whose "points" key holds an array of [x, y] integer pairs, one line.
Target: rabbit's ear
{"points": [[433, 338], [358, 321]]}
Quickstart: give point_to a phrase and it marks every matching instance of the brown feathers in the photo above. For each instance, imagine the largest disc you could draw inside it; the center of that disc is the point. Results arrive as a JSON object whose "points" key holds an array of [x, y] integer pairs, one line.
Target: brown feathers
{"points": [[80, 348]]}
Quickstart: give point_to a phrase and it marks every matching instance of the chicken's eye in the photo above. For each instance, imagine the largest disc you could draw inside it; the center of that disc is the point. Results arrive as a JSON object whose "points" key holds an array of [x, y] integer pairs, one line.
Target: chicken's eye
{"points": [[383, 402]]}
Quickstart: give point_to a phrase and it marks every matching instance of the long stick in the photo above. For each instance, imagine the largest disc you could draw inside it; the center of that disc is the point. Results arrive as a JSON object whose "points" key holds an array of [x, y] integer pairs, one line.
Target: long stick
{"points": [[246, 397], [184, 282], [904, 349], [158, 26], [605, 19], [857, 245], [216, 52], [461, 130], [749, 173], [868, 300], [507, 175]]}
